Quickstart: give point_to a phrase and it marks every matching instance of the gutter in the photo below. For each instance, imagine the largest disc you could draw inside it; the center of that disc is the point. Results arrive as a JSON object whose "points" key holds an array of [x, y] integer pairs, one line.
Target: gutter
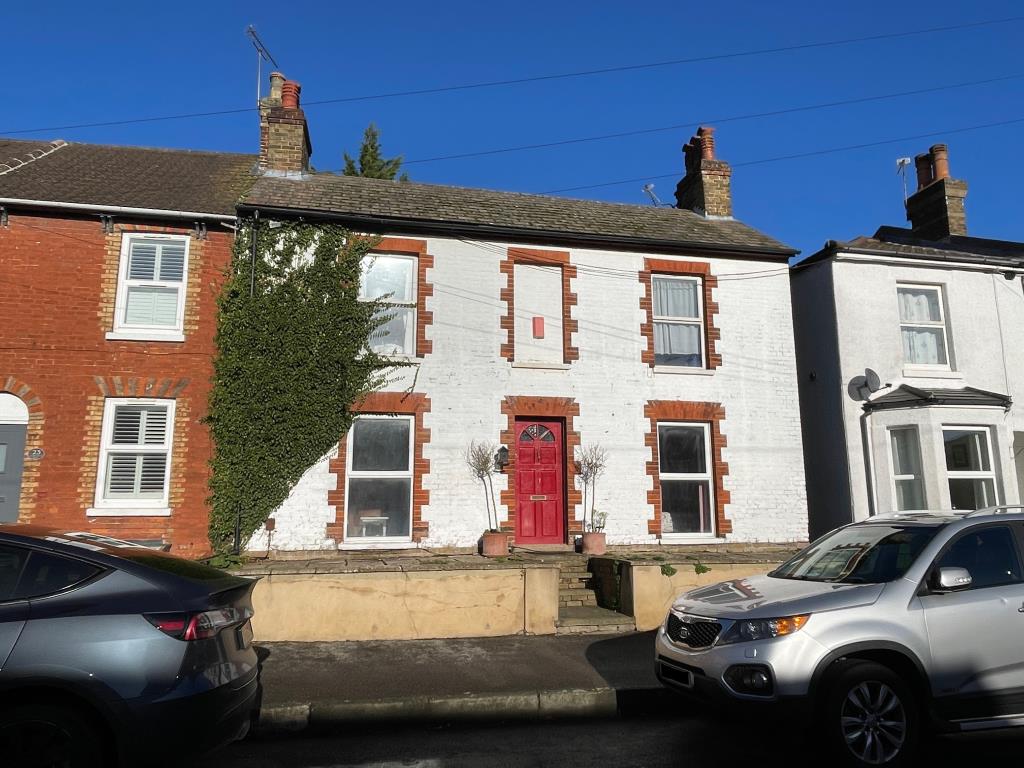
{"points": [[115, 209], [840, 251], [427, 226]]}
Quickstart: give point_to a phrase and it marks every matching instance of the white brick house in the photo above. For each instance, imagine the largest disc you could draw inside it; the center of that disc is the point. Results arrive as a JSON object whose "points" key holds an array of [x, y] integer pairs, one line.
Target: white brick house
{"points": [[934, 313], [543, 325]]}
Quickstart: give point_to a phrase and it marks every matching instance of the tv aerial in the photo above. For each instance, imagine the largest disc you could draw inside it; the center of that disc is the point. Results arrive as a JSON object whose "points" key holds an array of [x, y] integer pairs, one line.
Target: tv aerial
{"points": [[649, 191], [262, 54], [902, 164]]}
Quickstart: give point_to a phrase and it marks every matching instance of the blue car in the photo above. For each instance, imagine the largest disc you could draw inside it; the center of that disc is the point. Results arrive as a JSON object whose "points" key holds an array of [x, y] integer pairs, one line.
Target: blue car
{"points": [[112, 654]]}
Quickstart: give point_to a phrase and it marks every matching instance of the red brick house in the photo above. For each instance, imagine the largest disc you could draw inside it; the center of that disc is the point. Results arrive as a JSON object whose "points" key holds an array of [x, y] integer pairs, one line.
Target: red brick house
{"points": [[110, 263]]}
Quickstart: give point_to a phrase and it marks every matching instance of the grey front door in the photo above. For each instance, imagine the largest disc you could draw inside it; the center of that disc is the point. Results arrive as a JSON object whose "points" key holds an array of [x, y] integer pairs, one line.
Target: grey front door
{"points": [[12, 461]]}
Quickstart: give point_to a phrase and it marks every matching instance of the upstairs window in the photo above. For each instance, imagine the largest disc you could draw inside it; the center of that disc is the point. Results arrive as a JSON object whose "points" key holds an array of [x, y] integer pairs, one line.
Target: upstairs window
{"points": [[150, 301], [135, 454], [392, 279], [678, 321], [923, 325]]}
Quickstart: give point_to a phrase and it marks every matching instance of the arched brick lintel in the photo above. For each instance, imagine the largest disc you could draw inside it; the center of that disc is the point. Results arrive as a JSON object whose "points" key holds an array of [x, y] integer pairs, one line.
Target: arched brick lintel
{"points": [[33, 439]]}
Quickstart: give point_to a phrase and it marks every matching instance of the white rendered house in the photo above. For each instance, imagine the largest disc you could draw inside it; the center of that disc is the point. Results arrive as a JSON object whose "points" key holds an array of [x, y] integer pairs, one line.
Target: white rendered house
{"points": [[909, 369]]}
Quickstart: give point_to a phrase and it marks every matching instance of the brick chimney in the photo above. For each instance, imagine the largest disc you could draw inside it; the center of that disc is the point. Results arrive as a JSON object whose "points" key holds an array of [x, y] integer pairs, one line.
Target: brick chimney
{"points": [[936, 210], [705, 188], [284, 136]]}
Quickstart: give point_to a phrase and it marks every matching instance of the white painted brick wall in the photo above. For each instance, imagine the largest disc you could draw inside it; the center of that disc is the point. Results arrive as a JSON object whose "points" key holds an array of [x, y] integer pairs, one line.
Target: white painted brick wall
{"points": [[466, 380]]}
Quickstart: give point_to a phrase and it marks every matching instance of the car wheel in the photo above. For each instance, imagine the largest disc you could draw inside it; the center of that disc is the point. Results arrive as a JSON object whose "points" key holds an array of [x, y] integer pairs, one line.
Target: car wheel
{"points": [[45, 736], [870, 716]]}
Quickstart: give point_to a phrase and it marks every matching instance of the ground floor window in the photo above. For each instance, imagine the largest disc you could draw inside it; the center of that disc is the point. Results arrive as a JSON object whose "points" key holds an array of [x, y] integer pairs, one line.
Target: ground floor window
{"points": [[969, 468], [379, 478], [135, 453], [906, 468], [684, 471]]}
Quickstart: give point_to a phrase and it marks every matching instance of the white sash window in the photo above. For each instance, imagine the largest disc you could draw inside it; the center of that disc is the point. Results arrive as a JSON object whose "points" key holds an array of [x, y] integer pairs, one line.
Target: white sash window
{"points": [[135, 457], [151, 283]]}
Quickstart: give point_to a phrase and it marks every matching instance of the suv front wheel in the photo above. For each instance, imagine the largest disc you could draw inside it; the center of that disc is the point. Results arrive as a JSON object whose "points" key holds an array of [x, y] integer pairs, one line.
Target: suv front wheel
{"points": [[871, 715]]}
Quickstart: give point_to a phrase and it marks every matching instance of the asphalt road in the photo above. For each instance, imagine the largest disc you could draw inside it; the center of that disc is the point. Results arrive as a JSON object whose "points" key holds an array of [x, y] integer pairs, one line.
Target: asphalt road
{"points": [[647, 742]]}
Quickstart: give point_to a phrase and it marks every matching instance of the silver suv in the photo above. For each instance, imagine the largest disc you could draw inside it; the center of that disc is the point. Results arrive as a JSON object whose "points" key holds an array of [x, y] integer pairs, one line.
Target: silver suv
{"points": [[881, 629]]}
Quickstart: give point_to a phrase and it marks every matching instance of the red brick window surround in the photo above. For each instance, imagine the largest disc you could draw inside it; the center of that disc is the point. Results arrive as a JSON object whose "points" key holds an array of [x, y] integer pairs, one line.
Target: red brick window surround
{"points": [[565, 408], [424, 288], [397, 404], [507, 294], [702, 270], [712, 414]]}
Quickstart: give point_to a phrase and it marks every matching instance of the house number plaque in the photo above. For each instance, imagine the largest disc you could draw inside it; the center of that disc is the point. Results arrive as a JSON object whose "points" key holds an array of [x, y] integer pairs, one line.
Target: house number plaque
{"points": [[35, 454]]}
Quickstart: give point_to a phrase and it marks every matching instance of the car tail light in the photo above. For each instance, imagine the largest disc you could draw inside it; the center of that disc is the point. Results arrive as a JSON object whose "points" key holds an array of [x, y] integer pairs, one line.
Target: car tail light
{"points": [[197, 626]]}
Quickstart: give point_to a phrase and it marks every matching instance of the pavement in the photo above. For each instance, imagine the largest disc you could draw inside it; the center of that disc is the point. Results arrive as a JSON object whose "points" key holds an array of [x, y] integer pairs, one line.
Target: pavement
{"points": [[331, 685]]}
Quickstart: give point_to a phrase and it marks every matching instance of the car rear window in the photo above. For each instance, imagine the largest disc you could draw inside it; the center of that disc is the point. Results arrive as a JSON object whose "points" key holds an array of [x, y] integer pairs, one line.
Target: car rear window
{"points": [[12, 560], [47, 574], [178, 566]]}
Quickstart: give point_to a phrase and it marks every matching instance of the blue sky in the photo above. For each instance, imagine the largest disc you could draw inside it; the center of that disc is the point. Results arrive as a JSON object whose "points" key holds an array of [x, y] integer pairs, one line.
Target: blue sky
{"points": [[76, 62]]}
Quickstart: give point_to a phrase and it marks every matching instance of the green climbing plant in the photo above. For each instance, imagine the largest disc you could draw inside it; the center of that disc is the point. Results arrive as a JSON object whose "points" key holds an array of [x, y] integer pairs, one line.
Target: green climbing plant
{"points": [[292, 358]]}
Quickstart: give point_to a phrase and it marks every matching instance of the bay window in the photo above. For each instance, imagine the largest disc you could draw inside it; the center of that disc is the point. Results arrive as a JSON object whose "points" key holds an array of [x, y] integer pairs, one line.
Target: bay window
{"points": [[906, 468]]}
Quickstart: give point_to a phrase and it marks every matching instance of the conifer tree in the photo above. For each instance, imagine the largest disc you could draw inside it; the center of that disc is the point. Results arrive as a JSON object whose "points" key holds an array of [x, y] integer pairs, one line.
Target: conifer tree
{"points": [[371, 163]]}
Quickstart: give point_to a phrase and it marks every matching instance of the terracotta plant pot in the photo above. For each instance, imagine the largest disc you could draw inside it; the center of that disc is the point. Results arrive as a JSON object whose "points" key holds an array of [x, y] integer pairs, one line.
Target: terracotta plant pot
{"points": [[594, 543], [495, 544]]}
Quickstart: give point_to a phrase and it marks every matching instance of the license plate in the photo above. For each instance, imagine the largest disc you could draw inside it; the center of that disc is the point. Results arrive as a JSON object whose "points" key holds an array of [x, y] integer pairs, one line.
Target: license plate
{"points": [[243, 636]]}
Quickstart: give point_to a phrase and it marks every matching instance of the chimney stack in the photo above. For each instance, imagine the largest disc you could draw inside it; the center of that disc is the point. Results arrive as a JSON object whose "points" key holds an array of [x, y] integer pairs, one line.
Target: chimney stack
{"points": [[705, 189], [936, 210], [284, 136]]}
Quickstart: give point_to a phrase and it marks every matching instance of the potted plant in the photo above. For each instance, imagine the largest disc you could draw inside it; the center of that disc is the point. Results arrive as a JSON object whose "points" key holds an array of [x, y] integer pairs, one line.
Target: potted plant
{"points": [[590, 465], [480, 460]]}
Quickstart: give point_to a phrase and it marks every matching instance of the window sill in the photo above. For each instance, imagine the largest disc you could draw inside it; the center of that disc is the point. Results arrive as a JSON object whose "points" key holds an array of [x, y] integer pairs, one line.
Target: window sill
{"points": [[383, 543], [543, 366], [128, 512], [682, 370], [406, 359], [688, 538], [143, 336], [912, 372]]}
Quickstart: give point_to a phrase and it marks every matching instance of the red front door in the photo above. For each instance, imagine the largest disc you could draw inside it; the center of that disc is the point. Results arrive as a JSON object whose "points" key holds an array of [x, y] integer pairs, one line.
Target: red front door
{"points": [[540, 492]]}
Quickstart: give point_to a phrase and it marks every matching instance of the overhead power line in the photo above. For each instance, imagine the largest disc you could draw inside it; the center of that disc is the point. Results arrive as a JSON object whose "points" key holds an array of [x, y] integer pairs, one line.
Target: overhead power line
{"points": [[797, 155], [543, 78], [717, 120]]}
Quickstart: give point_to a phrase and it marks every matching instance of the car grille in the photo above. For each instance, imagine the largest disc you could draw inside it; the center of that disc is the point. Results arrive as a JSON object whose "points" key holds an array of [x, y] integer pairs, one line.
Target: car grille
{"points": [[693, 633]]}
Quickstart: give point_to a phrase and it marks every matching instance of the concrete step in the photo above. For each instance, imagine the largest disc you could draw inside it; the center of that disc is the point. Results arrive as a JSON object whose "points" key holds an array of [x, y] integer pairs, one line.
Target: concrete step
{"points": [[577, 620]]}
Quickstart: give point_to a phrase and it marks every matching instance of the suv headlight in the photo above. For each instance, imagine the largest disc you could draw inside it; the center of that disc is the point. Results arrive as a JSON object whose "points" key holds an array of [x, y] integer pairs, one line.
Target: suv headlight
{"points": [[745, 630]]}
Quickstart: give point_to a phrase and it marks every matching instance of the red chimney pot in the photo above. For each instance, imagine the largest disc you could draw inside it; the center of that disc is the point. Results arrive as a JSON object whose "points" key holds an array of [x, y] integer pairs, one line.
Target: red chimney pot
{"points": [[290, 94], [706, 135], [940, 161]]}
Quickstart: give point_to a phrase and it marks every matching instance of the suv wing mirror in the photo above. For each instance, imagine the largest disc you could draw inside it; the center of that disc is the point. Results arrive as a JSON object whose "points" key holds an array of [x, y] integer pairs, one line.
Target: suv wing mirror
{"points": [[953, 579]]}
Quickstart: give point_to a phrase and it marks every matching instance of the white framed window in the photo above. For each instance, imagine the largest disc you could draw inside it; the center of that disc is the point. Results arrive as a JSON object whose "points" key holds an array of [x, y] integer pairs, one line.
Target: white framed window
{"points": [[907, 475], [923, 327], [378, 479], [969, 468], [134, 471], [687, 483], [678, 315], [391, 278], [150, 301]]}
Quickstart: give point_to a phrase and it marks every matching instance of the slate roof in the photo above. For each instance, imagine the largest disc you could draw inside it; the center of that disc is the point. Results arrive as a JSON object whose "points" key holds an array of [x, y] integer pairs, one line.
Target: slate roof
{"points": [[907, 396], [898, 241], [425, 207], [131, 177]]}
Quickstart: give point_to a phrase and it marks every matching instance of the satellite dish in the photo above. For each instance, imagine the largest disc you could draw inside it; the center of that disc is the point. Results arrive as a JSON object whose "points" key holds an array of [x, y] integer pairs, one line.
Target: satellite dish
{"points": [[861, 388]]}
